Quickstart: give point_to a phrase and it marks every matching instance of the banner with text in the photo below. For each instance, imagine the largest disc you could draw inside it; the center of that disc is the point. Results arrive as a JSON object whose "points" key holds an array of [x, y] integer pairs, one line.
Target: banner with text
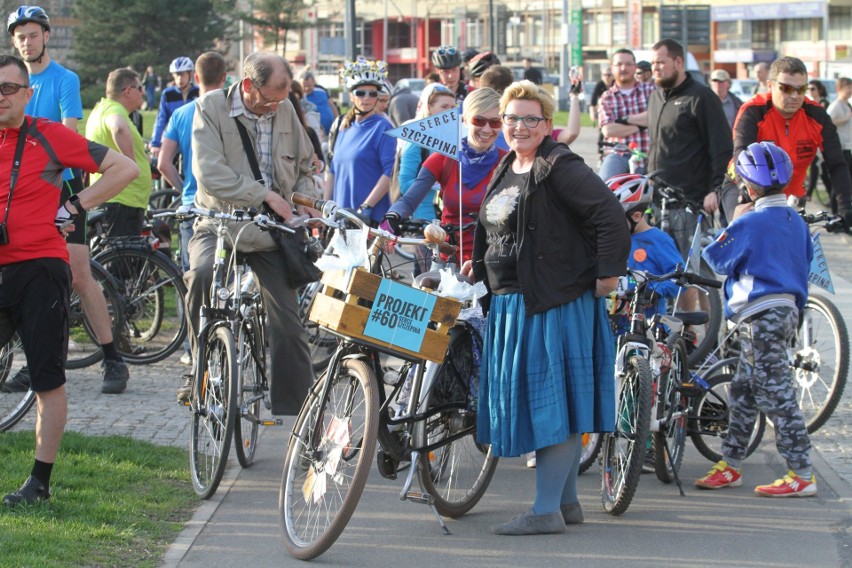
{"points": [[438, 133]]}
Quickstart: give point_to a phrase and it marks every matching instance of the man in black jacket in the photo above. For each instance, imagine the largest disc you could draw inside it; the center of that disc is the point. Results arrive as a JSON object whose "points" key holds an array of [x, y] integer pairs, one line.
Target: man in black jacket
{"points": [[690, 137]]}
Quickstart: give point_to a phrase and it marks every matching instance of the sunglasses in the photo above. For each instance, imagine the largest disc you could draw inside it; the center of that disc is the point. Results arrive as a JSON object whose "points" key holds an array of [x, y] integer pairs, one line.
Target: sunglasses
{"points": [[7, 89], [361, 93], [482, 121], [446, 50], [529, 121], [790, 89]]}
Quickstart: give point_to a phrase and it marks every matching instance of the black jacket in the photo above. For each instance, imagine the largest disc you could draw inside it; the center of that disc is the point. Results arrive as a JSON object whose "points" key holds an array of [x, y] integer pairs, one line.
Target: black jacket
{"points": [[690, 138], [571, 230]]}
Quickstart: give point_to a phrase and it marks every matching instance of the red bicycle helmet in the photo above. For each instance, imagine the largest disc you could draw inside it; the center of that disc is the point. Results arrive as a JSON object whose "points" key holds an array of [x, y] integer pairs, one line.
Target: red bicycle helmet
{"points": [[634, 191]]}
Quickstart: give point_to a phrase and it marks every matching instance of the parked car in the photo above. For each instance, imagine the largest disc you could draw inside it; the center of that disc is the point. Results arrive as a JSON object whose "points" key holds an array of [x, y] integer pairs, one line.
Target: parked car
{"points": [[416, 85]]}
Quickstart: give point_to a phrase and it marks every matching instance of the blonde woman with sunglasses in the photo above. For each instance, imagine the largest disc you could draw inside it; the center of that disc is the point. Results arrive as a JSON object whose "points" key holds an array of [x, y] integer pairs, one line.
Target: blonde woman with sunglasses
{"points": [[479, 158]]}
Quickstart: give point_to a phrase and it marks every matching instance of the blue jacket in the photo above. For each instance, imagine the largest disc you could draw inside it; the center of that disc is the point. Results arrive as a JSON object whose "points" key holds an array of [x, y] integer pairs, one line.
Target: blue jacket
{"points": [[655, 251], [766, 255], [170, 101]]}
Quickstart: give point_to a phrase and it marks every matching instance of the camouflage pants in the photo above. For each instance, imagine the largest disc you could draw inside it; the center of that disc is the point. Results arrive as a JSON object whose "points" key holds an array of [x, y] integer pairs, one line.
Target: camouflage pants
{"points": [[764, 382]]}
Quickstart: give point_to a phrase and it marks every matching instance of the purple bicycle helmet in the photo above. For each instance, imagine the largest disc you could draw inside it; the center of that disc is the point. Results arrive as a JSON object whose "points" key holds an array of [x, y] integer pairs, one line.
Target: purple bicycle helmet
{"points": [[764, 166]]}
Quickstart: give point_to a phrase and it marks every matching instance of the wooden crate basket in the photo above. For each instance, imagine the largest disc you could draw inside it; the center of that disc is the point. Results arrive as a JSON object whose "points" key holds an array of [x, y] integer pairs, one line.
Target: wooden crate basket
{"points": [[343, 306]]}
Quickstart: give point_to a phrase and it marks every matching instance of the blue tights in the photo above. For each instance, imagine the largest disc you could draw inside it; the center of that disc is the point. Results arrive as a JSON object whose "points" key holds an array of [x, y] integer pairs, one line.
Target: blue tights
{"points": [[556, 470]]}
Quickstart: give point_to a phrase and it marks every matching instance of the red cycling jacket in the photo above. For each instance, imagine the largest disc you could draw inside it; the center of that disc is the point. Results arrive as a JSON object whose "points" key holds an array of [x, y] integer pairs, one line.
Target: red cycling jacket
{"points": [[808, 130]]}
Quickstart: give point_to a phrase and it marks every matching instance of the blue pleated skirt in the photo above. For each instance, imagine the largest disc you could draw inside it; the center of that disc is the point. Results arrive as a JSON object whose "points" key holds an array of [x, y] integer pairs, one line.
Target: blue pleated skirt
{"points": [[546, 376]]}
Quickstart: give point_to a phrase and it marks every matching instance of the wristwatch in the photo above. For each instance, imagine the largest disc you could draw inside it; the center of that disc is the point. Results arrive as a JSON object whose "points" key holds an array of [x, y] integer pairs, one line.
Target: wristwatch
{"points": [[75, 201]]}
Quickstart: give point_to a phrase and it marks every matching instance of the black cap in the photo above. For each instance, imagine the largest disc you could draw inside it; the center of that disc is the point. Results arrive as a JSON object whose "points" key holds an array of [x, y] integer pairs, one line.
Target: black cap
{"points": [[644, 66]]}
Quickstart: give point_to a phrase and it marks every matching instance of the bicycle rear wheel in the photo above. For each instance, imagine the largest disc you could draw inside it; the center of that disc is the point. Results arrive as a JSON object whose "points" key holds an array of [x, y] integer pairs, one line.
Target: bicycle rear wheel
{"points": [[153, 303], [14, 405], [328, 459], [251, 390], [457, 472], [671, 411], [624, 449], [709, 420], [214, 410], [83, 347], [820, 361]]}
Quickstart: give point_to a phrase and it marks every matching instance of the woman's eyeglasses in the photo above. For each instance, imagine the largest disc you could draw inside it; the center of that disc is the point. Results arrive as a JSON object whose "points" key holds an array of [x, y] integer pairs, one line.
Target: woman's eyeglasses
{"points": [[482, 121], [360, 93], [790, 89], [529, 121], [7, 89]]}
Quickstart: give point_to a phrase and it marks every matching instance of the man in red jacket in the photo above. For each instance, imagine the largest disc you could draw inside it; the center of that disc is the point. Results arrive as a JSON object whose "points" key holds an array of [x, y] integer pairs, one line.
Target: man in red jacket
{"points": [[798, 125]]}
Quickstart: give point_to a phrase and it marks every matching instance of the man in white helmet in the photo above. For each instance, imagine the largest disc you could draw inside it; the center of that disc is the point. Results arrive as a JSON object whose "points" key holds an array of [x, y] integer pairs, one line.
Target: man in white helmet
{"points": [[173, 98]]}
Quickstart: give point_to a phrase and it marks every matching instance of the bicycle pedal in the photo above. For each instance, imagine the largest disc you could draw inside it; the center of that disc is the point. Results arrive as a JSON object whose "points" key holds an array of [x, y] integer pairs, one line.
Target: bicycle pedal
{"points": [[276, 422], [183, 402], [424, 498]]}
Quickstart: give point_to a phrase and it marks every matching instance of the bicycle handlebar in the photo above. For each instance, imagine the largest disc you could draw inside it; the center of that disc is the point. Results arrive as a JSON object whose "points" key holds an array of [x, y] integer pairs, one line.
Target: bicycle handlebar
{"points": [[262, 220], [680, 276], [833, 223], [331, 210]]}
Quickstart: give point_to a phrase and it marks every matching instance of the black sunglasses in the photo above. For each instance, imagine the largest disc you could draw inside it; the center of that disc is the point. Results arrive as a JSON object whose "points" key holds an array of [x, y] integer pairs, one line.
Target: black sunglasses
{"points": [[360, 93], [7, 89]]}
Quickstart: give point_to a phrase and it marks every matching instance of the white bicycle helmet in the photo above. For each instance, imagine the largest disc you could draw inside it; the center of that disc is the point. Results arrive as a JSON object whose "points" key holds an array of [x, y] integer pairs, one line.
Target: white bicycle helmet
{"points": [[181, 64], [362, 72], [632, 190]]}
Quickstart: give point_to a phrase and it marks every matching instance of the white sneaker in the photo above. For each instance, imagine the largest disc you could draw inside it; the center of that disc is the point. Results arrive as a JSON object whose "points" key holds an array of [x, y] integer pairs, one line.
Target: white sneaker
{"points": [[530, 459], [186, 358]]}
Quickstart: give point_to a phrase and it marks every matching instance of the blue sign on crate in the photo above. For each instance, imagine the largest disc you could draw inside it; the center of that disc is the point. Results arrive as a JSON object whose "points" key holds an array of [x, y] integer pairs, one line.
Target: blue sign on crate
{"points": [[400, 315]]}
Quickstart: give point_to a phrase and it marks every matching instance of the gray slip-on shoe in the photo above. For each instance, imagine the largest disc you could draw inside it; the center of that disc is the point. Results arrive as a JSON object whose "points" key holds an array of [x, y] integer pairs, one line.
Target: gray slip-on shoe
{"points": [[528, 523]]}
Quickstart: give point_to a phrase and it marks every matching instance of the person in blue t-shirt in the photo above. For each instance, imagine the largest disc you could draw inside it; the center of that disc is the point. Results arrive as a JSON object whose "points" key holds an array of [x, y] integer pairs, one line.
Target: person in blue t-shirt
{"points": [[359, 174], [210, 74], [765, 253], [319, 97], [651, 250]]}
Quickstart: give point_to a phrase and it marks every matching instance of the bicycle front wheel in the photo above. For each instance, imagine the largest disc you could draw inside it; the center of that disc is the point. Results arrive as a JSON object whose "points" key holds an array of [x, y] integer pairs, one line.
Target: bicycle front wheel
{"points": [[820, 361], [624, 449], [251, 390], [214, 410], [709, 419], [153, 292], [328, 459], [14, 403], [669, 441], [457, 472]]}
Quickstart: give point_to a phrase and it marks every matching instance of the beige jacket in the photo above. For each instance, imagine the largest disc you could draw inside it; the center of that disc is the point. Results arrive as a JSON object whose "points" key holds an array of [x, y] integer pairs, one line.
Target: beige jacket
{"points": [[221, 166]]}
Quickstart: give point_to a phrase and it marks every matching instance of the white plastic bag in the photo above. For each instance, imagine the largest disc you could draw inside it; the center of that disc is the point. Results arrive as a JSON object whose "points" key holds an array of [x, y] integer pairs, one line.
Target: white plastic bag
{"points": [[452, 287], [348, 249]]}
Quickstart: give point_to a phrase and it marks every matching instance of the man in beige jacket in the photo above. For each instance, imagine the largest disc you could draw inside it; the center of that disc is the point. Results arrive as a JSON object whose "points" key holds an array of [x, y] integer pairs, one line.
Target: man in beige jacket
{"points": [[225, 180]]}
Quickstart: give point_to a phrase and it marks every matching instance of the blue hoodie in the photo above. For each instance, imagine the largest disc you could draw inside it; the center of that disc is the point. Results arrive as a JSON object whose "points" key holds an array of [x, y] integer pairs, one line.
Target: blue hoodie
{"points": [[766, 255]]}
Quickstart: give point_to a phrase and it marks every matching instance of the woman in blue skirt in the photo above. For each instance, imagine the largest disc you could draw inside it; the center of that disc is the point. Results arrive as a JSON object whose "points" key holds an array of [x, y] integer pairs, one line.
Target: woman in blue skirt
{"points": [[550, 243]]}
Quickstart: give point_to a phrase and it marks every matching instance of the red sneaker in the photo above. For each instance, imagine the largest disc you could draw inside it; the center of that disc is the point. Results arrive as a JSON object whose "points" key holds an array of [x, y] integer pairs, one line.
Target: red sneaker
{"points": [[791, 485], [721, 475]]}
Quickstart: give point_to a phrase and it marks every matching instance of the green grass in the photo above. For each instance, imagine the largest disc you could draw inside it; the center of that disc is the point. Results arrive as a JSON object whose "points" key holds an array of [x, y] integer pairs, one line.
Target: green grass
{"points": [[116, 502]]}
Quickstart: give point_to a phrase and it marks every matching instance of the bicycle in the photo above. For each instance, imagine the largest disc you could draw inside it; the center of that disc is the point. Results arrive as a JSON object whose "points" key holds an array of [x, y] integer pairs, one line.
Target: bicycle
{"points": [[650, 365], [348, 410], [230, 377], [700, 336], [636, 156], [150, 292]]}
